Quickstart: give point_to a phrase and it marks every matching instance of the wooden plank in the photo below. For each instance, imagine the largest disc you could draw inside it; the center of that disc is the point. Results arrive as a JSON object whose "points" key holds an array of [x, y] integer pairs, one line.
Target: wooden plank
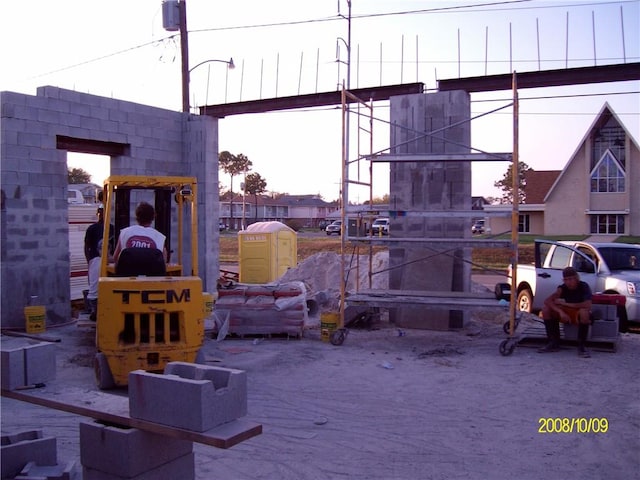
{"points": [[36, 336], [429, 293], [440, 157], [223, 436], [444, 300]]}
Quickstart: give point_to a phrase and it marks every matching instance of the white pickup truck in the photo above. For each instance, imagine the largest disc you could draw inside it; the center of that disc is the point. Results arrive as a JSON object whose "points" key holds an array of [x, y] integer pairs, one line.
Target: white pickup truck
{"points": [[606, 267]]}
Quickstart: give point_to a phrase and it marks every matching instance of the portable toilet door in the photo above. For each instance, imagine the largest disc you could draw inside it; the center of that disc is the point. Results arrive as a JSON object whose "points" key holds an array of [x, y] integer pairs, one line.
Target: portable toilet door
{"points": [[266, 251]]}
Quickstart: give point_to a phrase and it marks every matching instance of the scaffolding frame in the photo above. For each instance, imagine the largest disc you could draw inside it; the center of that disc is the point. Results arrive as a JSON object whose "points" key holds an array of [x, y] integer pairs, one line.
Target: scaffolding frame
{"points": [[459, 300]]}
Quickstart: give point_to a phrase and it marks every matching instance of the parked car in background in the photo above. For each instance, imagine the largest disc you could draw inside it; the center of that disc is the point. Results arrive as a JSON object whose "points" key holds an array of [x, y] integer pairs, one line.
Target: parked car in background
{"points": [[380, 226], [479, 227], [322, 224], [222, 226], [334, 227]]}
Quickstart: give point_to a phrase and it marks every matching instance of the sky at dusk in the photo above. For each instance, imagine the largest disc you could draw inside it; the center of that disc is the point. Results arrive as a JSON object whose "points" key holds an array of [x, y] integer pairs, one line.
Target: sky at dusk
{"points": [[280, 48]]}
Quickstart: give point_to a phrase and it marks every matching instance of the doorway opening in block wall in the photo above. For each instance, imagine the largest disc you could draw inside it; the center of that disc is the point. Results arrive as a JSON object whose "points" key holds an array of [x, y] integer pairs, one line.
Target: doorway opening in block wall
{"points": [[87, 173]]}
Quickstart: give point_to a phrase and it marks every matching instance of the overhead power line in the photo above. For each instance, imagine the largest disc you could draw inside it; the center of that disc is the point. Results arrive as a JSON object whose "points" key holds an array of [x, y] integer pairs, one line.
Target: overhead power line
{"points": [[452, 9]]}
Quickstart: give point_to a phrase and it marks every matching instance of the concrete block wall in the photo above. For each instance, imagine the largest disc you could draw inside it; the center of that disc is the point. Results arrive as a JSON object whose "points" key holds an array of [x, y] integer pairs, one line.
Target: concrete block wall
{"points": [[19, 448], [115, 452], [214, 395], [34, 250], [430, 124], [26, 362]]}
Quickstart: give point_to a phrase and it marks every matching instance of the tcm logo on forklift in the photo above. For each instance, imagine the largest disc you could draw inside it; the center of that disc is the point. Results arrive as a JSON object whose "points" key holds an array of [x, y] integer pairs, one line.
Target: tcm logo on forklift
{"points": [[156, 296]]}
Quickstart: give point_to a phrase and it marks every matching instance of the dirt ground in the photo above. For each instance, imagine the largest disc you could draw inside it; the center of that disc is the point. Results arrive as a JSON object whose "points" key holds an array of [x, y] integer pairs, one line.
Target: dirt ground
{"points": [[422, 405]]}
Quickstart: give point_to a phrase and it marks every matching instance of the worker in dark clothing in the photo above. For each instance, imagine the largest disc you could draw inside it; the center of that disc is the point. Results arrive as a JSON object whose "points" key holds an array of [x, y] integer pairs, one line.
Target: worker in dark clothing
{"points": [[570, 303], [93, 253]]}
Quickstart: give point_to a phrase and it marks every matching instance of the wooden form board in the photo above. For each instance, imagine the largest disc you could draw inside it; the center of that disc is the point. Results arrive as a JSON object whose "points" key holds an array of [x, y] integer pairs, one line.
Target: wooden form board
{"points": [[403, 298], [113, 409]]}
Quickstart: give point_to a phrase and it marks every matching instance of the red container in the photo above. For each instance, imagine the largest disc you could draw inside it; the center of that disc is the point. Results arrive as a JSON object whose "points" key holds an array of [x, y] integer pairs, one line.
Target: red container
{"points": [[608, 299]]}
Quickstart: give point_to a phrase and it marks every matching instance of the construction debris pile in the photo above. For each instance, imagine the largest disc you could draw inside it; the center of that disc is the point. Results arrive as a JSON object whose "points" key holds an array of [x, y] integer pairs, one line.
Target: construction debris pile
{"points": [[321, 275]]}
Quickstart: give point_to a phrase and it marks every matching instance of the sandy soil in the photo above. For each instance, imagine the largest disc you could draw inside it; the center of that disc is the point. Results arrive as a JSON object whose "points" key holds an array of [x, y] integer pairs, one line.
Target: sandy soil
{"points": [[425, 405]]}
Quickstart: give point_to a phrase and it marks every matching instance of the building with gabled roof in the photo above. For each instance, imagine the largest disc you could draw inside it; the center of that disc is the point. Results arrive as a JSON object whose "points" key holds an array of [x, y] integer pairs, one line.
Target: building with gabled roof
{"points": [[596, 193]]}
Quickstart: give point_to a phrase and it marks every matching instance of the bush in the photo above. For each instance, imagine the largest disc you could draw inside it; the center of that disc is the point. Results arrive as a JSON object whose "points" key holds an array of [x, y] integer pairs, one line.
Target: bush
{"points": [[294, 224]]}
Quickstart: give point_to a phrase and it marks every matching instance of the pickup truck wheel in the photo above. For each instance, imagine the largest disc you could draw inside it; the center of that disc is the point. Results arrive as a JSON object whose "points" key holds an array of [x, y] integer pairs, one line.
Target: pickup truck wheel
{"points": [[525, 300]]}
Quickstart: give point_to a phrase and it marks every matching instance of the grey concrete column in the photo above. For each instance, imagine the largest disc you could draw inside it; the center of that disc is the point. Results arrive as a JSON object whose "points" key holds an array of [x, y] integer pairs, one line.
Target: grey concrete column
{"points": [[429, 124], [201, 152]]}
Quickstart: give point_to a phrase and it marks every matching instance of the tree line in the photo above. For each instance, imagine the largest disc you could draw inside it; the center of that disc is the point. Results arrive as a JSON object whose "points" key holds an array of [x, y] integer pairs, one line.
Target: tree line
{"points": [[254, 184]]}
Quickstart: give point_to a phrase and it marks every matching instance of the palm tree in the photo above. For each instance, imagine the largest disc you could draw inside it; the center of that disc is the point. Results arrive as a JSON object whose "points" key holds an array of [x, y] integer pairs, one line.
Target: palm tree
{"points": [[255, 185], [233, 165]]}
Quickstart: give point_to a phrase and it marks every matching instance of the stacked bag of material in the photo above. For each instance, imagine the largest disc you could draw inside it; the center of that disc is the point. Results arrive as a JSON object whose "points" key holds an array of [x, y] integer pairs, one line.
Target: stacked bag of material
{"points": [[254, 309]]}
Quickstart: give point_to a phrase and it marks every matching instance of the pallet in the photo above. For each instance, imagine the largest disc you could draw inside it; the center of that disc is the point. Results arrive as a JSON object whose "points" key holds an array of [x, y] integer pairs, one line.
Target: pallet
{"points": [[535, 336]]}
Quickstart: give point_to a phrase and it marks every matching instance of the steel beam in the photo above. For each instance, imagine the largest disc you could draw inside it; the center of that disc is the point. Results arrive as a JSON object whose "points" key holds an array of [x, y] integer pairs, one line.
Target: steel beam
{"points": [[310, 100], [545, 78]]}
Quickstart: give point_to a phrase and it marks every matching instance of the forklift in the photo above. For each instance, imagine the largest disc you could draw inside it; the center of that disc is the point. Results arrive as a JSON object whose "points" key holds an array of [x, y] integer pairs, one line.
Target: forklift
{"points": [[149, 312]]}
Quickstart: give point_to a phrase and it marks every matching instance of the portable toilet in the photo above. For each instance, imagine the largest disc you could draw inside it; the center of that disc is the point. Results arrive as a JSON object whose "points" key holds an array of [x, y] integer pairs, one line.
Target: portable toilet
{"points": [[266, 251]]}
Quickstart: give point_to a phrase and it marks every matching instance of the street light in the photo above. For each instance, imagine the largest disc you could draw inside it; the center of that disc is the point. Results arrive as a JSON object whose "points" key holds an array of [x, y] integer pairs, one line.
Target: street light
{"points": [[230, 66]]}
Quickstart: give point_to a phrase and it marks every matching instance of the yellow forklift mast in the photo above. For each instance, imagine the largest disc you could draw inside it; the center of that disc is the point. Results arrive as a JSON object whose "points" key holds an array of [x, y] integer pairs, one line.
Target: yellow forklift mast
{"points": [[149, 316]]}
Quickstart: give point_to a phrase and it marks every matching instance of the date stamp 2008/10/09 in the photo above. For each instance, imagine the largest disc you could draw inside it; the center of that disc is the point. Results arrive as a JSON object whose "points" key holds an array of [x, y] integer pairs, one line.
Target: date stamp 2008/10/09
{"points": [[573, 425]]}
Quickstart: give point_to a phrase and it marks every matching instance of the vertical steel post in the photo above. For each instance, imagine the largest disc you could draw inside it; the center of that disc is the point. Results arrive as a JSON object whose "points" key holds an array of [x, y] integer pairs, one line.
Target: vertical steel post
{"points": [[184, 54], [515, 177]]}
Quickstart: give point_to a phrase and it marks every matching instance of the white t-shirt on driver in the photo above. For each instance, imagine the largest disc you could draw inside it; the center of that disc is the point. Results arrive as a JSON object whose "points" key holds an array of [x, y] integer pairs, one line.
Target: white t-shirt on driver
{"points": [[137, 236]]}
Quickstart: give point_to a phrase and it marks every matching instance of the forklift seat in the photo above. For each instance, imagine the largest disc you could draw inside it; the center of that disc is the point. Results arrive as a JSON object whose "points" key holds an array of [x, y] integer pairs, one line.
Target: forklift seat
{"points": [[141, 261]]}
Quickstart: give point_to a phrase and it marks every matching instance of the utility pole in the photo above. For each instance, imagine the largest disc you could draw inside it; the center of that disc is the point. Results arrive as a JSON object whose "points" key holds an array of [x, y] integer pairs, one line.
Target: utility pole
{"points": [[184, 54]]}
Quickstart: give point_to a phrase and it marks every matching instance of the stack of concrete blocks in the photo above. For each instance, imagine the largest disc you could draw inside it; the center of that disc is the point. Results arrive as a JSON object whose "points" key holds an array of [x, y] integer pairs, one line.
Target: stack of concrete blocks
{"points": [[189, 396], [26, 362], [118, 453], [606, 322], [605, 325], [29, 455], [437, 123], [248, 309]]}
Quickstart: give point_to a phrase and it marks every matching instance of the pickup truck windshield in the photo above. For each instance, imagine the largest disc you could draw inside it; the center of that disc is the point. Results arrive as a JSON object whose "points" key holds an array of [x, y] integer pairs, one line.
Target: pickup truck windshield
{"points": [[621, 258]]}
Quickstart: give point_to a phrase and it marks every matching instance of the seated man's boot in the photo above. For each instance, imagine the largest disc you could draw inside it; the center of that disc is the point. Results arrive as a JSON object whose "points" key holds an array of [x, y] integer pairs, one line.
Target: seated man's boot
{"points": [[583, 332], [553, 334]]}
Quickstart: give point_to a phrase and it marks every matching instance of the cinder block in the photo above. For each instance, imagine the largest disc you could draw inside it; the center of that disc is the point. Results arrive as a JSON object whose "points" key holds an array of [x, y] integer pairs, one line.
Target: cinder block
{"points": [[32, 471], [182, 468], [40, 363], [604, 312], [12, 364], [570, 331], [126, 452], [213, 395], [605, 329], [20, 448]]}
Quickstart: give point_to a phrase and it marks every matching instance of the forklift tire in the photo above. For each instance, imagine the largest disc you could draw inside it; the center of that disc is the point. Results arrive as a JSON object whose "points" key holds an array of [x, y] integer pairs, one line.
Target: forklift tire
{"points": [[200, 358], [104, 378]]}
